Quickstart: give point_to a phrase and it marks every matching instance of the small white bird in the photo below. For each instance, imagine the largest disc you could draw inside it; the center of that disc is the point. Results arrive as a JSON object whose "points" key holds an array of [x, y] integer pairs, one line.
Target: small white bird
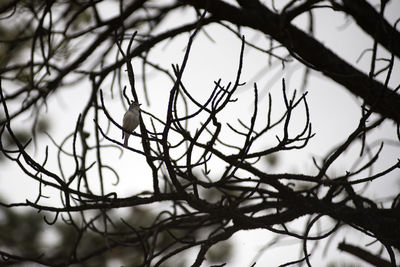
{"points": [[130, 121]]}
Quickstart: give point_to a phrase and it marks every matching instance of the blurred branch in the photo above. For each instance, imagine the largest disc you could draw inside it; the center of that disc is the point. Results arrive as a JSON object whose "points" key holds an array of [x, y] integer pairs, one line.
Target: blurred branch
{"points": [[364, 255]]}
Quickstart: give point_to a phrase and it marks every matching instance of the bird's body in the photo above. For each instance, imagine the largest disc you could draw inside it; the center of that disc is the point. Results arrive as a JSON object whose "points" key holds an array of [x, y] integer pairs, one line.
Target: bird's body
{"points": [[130, 121]]}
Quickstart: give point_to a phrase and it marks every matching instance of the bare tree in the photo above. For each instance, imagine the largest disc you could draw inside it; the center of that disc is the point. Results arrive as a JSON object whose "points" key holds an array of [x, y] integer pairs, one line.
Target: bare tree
{"points": [[49, 46]]}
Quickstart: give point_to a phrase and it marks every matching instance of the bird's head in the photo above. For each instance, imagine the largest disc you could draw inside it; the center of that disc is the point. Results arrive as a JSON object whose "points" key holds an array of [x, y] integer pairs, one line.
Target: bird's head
{"points": [[134, 105]]}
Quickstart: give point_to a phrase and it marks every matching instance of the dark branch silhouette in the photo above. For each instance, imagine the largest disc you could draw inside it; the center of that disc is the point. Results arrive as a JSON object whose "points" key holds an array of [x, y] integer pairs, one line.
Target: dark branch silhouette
{"points": [[49, 46]]}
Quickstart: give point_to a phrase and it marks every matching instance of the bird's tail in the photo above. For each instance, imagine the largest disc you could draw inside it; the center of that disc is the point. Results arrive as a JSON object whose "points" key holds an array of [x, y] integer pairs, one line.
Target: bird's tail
{"points": [[126, 140]]}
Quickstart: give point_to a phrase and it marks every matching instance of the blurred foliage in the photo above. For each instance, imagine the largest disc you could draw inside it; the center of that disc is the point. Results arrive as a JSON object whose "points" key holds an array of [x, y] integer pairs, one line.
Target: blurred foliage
{"points": [[342, 264], [220, 253], [27, 234], [272, 159], [24, 134], [20, 231]]}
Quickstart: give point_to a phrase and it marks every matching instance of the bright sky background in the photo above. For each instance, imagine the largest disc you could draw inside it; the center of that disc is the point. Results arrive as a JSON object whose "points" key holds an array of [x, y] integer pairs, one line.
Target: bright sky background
{"points": [[334, 114]]}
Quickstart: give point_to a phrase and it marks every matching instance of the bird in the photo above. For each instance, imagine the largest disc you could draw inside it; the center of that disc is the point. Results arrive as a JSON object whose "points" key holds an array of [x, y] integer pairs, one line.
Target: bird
{"points": [[130, 121]]}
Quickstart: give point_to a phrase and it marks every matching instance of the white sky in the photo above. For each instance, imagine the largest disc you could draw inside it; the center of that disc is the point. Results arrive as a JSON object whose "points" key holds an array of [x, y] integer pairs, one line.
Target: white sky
{"points": [[334, 114]]}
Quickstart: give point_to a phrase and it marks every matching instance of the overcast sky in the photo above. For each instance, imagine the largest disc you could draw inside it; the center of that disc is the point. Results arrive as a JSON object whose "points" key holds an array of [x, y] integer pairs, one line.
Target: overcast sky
{"points": [[334, 114]]}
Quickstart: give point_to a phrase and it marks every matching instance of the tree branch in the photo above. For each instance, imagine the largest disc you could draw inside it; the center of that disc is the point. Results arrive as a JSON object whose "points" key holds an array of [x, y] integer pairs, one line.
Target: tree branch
{"points": [[311, 52]]}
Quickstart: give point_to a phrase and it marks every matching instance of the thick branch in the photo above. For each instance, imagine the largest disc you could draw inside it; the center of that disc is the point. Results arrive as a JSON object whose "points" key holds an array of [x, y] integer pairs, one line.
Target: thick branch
{"points": [[373, 24], [311, 52], [364, 255]]}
